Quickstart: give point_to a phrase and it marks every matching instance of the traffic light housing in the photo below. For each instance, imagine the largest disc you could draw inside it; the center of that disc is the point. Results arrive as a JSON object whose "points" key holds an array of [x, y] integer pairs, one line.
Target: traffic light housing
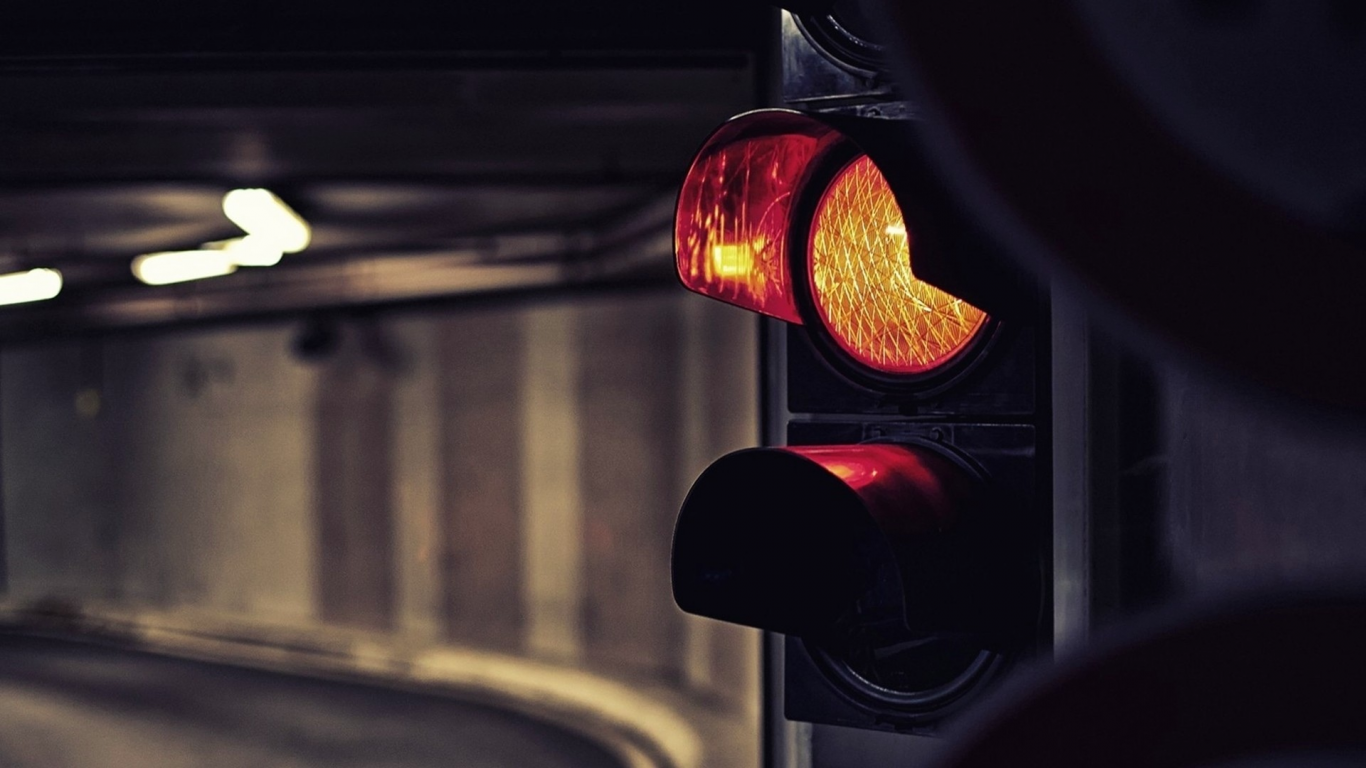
{"points": [[900, 537]]}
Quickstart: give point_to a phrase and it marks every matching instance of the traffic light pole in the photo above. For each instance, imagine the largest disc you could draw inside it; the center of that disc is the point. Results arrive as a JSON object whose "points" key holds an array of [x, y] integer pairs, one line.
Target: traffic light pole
{"points": [[786, 744]]}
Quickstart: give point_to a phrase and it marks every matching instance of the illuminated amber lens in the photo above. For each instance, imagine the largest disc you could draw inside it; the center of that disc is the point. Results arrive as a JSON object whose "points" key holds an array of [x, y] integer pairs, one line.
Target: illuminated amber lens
{"points": [[731, 229], [860, 268]]}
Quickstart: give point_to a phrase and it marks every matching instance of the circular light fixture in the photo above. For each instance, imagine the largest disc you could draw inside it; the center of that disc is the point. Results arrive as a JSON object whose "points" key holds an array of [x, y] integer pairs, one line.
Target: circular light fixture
{"points": [[846, 35], [859, 267]]}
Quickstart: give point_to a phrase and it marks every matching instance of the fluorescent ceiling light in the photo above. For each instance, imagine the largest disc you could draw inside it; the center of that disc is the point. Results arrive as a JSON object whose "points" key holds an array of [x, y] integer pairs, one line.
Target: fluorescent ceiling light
{"points": [[263, 215], [181, 266], [249, 251], [33, 285]]}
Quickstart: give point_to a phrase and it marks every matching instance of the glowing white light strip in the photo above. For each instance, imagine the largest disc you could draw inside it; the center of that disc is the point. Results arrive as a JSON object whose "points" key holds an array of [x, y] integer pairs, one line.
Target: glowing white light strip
{"points": [[249, 251], [263, 215], [181, 266], [33, 285]]}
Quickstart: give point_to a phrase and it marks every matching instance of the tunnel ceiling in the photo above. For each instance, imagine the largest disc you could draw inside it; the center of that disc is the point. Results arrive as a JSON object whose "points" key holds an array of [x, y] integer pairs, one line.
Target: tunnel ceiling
{"points": [[422, 178]]}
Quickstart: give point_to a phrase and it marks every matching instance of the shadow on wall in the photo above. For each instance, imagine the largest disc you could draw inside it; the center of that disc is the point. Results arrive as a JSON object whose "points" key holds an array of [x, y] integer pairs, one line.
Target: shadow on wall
{"points": [[503, 476]]}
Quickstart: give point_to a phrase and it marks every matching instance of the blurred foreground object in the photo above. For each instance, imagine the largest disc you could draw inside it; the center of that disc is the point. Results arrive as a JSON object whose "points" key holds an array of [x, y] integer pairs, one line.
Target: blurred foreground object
{"points": [[1277, 677], [1198, 166]]}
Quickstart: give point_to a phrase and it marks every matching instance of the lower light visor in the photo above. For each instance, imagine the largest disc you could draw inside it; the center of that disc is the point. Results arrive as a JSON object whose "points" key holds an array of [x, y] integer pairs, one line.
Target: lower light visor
{"points": [[788, 539]]}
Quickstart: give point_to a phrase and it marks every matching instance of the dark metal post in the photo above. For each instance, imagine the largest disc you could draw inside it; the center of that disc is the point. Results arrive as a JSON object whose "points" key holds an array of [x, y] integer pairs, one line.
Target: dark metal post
{"points": [[4, 546]]}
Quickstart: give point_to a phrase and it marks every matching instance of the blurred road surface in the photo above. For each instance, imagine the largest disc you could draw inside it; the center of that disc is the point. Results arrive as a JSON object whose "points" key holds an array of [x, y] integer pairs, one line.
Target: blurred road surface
{"points": [[67, 704]]}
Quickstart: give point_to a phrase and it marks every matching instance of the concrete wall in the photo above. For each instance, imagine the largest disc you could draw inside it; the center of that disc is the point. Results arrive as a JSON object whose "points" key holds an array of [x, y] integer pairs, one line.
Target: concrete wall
{"points": [[503, 476]]}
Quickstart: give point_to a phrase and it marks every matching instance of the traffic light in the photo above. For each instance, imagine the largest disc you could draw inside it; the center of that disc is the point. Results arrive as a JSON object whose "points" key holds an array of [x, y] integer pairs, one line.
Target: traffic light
{"points": [[899, 539]]}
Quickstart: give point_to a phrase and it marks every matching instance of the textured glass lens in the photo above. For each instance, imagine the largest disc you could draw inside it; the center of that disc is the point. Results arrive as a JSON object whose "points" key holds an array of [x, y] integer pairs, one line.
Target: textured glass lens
{"points": [[860, 270]]}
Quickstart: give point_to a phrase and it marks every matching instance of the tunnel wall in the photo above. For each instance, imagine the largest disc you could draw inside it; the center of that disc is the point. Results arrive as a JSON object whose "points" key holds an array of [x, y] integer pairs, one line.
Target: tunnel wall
{"points": [[503, 476]]}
